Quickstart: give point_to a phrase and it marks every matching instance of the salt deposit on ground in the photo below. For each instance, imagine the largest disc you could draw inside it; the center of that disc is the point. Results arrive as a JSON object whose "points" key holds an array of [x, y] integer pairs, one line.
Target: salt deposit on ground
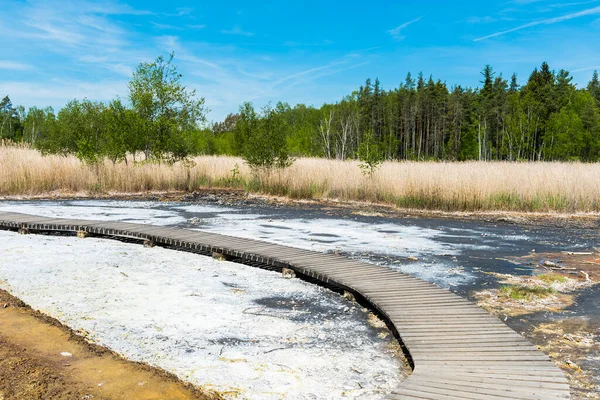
{"points": [[234, 328], [142, 212], [389, 242], [354, 238]]}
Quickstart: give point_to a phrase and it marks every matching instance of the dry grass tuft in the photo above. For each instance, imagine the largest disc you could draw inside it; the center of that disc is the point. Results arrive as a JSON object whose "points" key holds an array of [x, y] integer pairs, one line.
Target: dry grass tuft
{"points": [[465, 186], [26, 172]]}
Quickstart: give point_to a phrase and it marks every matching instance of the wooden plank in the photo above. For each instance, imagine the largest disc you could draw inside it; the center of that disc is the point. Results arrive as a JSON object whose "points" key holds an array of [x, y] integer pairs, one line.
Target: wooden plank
{"points": [[525, 379], [474, 392], [524, 387]]}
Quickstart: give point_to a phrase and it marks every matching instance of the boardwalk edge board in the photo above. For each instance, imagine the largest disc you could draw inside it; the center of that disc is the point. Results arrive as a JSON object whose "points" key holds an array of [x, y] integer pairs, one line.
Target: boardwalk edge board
{"points": [[444, 336]]}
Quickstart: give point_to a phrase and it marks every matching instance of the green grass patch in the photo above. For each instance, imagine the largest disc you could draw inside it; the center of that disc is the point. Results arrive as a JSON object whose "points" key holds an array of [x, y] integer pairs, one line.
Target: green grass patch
{"points": [[525, 292], [551, 278]]}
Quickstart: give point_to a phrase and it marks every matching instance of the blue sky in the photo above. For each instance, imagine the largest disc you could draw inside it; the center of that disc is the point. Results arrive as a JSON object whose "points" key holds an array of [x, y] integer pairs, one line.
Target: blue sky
{"points": [[300, 52]]}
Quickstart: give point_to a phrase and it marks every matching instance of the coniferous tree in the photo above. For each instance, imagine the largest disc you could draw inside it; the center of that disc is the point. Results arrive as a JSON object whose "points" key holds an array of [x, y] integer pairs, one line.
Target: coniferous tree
{"points": [[594, 87], [7, 113], [514, 85]]}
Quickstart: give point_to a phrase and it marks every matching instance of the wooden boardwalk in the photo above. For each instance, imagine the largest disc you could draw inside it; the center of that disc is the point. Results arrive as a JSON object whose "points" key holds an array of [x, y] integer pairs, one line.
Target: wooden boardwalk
{"points": [[458, 350]]}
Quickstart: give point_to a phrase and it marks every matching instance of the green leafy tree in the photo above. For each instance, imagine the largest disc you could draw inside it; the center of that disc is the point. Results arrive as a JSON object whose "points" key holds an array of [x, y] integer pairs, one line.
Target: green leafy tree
{"points": [[370, 155], [166, 108], [222, 139], [303, 120], [264, 139], [566, 135], [36, 124], [122, 130], [589, 112], [245, 127], [79, 130]]}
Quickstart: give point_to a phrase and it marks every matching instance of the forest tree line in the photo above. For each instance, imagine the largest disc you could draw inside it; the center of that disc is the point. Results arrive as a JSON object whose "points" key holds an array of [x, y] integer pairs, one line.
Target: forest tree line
{"points": [[547, 118], [160, 120]]}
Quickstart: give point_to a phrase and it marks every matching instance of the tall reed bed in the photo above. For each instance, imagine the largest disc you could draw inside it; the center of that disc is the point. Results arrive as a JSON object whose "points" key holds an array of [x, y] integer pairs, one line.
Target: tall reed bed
{"points": [[465, 186]]}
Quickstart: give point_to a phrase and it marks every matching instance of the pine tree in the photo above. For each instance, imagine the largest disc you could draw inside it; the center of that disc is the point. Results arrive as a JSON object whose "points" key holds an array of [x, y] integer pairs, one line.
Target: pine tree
{"points": [[488, 80], [6, 114], [546, 75], [564, 89], [365, 104], [594, 87], [485, 110], [409, 82], [377, 111], [514, 86]]}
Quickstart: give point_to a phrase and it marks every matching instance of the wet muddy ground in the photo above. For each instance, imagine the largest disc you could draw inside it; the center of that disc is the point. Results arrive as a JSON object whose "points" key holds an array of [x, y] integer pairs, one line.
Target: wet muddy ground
{"points": [[468, 257]]}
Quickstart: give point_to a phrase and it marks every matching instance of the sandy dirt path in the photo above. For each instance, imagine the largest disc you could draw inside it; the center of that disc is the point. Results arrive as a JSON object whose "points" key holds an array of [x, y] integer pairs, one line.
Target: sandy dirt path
{"points": [[42, 359]]}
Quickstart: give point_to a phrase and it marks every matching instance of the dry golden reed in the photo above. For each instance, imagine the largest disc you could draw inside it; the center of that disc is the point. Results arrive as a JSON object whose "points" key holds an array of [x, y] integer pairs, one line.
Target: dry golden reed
{"points": [[464, 186]]}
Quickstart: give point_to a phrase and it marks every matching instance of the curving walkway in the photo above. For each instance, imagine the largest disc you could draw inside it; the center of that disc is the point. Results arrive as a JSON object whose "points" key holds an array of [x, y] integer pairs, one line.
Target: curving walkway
{"points": [[458, 350]]}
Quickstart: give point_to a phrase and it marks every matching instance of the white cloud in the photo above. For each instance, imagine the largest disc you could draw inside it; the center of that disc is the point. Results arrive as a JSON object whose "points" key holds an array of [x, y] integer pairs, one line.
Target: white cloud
{"points": [[89, 54], [169, 42], [561, 5], [481, 20], [321, 43], [306, 72], [486, 20], [57, 93], [181, 11], [395, 33], [525, 2], [586, 68], [327, 73], [197, 60], [549, 21], [237, 31], [166, 26], [93, 59], [121, 69], [16, 66], [48, 31], [109, 8]]}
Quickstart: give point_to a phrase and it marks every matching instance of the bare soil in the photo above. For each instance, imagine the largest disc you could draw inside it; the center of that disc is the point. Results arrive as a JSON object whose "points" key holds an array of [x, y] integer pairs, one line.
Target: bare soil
{"points": [[42, 359]]}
